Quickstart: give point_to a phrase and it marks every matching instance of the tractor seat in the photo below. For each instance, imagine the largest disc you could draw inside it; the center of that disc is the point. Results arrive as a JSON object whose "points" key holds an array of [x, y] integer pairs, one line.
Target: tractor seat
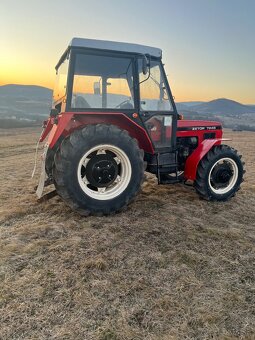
{"points": [[81, 103]]}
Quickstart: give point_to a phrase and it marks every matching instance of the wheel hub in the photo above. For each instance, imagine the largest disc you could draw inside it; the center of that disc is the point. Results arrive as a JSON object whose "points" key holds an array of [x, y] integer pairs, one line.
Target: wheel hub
{"points": [[104, 172], [101, 170], [221, 175]]}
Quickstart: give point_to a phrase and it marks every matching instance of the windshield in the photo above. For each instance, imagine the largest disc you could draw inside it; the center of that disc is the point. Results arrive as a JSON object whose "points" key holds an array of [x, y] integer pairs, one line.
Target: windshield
{"points": [[60, 83], [102, 82], [153, 92]]}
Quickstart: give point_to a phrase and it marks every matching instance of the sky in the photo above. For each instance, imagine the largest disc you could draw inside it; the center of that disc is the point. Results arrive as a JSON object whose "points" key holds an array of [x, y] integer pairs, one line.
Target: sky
{"points": [[208, 45]]}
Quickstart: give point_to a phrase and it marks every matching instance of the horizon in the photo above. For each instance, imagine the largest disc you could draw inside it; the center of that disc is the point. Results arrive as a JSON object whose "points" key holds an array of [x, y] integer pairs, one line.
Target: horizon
{"points": [[183, 101], [207, 47]]}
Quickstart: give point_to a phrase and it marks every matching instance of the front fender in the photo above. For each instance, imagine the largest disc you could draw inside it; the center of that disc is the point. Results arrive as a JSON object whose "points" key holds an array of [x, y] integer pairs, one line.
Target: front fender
{"points": [[190, 170]]}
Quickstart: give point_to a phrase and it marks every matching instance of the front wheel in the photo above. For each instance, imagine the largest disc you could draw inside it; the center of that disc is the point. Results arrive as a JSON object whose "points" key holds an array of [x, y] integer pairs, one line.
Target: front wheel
{"points": [[98, 170], [219, 174]]}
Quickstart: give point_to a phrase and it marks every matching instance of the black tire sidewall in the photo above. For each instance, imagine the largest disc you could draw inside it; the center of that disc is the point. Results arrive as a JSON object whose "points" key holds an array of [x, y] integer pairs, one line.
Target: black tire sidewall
{"points": [[49, 162], [73, 187], [226, 154]]}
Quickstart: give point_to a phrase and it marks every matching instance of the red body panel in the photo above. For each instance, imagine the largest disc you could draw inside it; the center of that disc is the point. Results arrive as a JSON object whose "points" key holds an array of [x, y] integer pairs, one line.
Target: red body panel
{"points": [[70, 121], [48, 124], [190, 128], [194, 123], [62, 127], [193, 160]]}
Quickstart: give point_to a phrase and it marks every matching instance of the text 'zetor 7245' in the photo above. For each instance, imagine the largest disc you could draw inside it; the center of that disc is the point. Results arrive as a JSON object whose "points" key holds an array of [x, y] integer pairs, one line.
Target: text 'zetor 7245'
{"points": [[113, 118]]}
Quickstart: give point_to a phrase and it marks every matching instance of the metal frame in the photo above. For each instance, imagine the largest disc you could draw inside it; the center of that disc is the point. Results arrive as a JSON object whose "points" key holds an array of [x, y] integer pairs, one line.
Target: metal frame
{"points": [[173, 113], [74, 52]]}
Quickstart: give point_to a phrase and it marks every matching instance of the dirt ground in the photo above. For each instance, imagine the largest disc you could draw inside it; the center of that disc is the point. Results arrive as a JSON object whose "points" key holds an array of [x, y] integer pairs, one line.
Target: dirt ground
{"points": [[170, 267]]}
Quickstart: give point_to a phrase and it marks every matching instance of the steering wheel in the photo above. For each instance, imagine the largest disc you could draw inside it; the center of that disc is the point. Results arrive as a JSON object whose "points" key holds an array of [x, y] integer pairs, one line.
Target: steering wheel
{"points": [[125, 105]]}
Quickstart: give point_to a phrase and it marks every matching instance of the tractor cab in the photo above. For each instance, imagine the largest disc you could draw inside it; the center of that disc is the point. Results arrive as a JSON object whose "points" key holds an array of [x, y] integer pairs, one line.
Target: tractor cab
{"points": [[112, 77], [113, 117]]}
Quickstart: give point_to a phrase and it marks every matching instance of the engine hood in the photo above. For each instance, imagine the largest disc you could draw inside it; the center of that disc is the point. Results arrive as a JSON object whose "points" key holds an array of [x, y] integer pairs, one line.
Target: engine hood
{"points": [[198, 125]]}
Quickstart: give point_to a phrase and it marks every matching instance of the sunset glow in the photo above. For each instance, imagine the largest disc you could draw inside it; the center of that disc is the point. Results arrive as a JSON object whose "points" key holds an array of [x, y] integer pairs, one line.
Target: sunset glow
{"points": [[207, 46]]}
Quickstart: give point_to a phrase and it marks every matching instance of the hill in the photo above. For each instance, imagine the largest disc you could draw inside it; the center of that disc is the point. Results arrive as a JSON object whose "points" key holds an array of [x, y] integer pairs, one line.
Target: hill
{"points": [[229, 112], [171, 266], [24, 105], [223, 106], [187, 105], [29, 92]]}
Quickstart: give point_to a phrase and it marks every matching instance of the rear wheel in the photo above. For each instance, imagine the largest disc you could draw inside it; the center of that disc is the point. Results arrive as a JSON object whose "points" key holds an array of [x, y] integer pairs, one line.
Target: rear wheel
{"points": [[219, 174], [49, 162], [98, 170]]}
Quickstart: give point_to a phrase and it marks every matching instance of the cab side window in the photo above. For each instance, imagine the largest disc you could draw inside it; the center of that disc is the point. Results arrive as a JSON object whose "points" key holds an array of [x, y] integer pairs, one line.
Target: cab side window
{"points": [[153, 93]]}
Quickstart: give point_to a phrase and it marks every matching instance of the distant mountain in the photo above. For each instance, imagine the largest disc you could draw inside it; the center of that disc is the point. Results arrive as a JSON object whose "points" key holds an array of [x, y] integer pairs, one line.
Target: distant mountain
{"points": [[29, 92], [229, 112], [187, 105], [181, 106], [190, 104], [223, 106], [24, 105]]}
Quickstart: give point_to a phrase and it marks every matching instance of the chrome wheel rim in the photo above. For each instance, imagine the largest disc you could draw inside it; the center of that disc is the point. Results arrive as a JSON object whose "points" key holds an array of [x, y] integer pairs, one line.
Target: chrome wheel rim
{"points": [[223, 176], [104, 172]]}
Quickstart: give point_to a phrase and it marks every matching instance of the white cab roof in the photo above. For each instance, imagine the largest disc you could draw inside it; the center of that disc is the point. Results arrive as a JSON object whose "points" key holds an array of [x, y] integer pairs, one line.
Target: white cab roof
{"points": [[116, 46]]}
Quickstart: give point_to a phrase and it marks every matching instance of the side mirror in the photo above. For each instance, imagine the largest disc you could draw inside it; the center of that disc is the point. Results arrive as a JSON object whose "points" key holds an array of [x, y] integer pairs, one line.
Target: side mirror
{"points": [[97, 87], [146, 65]]}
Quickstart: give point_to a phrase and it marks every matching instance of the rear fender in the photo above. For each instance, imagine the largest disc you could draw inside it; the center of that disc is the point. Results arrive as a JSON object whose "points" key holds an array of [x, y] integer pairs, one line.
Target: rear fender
{"points": [[62, 123], [47, 126], [70, 121], [193, 160]]}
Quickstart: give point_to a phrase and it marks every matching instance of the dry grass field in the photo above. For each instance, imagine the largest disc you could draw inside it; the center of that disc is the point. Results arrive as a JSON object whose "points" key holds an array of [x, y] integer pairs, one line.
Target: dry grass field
{"points": [[171, 266]]}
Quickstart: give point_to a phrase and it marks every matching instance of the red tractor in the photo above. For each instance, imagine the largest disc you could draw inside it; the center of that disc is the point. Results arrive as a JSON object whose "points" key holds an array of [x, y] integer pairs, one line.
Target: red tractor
{"points": [[113, 118]]}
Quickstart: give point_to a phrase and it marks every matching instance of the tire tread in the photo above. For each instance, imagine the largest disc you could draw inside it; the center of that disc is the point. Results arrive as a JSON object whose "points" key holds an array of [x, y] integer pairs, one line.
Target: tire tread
{"points": [[68, 147]]}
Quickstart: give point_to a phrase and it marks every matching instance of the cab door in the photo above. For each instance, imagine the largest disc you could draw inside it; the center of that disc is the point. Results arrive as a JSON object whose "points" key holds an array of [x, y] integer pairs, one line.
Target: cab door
{"points": [[157, 109]]}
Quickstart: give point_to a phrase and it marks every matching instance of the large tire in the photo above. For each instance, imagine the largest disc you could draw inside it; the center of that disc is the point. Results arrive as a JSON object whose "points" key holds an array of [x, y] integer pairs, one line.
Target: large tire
{"points": [[219, 174], [98, 170], [49, 161]]}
